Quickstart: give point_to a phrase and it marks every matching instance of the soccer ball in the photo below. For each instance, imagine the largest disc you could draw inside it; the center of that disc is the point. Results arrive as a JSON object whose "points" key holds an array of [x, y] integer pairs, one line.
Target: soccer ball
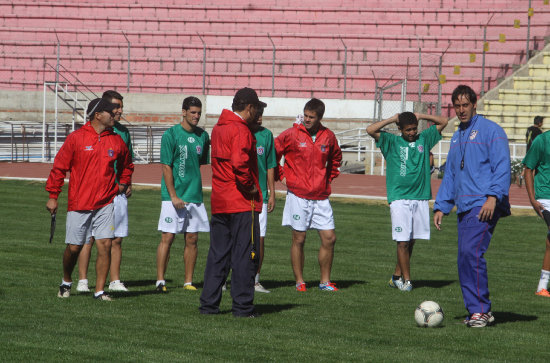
{"points": [[428, 314]]}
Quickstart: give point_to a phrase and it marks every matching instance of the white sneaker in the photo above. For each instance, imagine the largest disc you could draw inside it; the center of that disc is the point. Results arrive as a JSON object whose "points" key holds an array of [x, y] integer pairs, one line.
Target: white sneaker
{"points": [[259, 288], [117, 286], [82, 286], [224, 287]]}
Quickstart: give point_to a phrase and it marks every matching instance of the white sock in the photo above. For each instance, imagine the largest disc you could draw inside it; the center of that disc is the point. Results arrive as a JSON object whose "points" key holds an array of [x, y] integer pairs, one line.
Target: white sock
{"points": [[257, 279], [543, 282], [188, 283], [63, 282], [114, 282], [98, 293], [84, 281], [161, 282]]}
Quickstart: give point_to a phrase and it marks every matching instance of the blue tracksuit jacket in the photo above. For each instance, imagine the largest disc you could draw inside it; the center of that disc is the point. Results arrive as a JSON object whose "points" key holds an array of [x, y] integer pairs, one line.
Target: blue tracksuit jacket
{"points": [[483, 145]]}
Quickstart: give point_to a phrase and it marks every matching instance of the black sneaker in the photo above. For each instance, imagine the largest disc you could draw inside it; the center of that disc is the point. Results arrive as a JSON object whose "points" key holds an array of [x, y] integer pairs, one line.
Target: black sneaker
{"points": [[64, 291], [161, 288], [103, 297]]}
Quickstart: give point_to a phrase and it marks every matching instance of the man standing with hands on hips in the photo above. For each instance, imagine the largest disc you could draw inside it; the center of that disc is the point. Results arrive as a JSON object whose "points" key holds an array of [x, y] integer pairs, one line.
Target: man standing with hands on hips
{"points": [[477, 181]]}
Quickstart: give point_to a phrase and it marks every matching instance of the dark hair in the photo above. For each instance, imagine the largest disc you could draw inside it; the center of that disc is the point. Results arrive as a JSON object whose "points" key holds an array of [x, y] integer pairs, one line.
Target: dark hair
{"points": [[407, 118], [111, 94], [538, 120], [466, 91], [191, 101], [317, 106]]}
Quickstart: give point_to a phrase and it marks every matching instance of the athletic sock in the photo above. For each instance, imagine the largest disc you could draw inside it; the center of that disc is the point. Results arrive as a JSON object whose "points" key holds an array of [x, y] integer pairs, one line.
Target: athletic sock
{"points": [[161, 282], [83, 281], [186, 284], [98, 293], [395, 277], [543, 282], [114, 282], [63, 282], [257, 279]]}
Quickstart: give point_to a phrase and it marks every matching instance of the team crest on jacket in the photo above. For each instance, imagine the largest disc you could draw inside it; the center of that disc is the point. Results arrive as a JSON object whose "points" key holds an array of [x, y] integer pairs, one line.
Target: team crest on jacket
{"points": [[260, 150], [323, 148], [191, 139], [199, 149], [302, 144], [88, 148], [421, 148], [473, 134], [111, 152]]}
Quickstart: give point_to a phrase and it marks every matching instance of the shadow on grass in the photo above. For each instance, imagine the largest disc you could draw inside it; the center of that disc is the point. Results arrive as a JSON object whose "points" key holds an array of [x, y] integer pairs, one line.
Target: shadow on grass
{"points": [[341, 284], [504, 317], [137, 283], [274, 308], [436, 284]]}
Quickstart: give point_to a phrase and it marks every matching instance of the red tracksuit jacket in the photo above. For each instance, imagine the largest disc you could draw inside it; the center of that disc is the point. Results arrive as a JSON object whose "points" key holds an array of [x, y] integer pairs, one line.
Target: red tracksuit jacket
{"points": [[90, 158], [234, 166], [309, 167]]}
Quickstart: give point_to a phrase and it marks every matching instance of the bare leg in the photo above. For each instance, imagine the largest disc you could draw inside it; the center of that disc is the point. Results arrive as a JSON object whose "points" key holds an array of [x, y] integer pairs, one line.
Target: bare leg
{"points": [[326, 253], [297, 255], [103, 262], [116, 258], [404, 253], [190, 255], [546, 259], [84, 260], [70, 256], [163, 253]]}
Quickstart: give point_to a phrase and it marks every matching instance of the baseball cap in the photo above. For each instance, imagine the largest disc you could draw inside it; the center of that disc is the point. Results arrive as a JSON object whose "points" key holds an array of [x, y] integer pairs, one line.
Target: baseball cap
{"points": [[248, 96], [99, 105]]}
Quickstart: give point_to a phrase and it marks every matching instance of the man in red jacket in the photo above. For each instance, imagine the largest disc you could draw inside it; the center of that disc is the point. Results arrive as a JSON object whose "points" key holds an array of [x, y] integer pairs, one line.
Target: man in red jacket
{"points": [[89, 154], [312, 158], [236, 203]]}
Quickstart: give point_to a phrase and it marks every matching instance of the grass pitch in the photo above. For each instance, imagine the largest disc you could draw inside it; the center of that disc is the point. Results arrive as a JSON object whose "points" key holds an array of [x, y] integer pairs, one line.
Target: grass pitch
{"points": [[365, 321]]}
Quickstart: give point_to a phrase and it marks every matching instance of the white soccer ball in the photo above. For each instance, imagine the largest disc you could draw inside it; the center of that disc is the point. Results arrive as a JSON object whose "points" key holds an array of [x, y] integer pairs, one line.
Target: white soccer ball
{"points": [[428, 314]]}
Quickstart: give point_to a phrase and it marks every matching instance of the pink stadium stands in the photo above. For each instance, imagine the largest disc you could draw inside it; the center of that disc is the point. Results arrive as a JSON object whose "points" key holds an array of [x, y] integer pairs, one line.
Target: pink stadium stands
{"points": [[166, 44]]}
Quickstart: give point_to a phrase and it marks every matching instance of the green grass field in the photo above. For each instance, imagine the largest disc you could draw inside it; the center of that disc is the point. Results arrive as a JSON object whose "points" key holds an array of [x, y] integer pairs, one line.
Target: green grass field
{"points": [[364, 321]]}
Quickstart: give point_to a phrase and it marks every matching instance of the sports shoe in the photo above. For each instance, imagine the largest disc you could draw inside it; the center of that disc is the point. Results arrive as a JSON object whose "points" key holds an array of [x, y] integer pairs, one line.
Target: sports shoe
{"points": [[396, 284], [328, 286], [224, 287], [161, 288], [301, 287], [259, 288], [82, 286], [64, 291], [543, 292], [103, 297], [406, 286], [480, 320], [189, 287], [117, 286]]}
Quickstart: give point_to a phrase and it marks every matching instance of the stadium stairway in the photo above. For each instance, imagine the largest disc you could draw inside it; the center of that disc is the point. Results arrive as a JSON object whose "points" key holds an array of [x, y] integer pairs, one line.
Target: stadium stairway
{"points": [[516, 101]]}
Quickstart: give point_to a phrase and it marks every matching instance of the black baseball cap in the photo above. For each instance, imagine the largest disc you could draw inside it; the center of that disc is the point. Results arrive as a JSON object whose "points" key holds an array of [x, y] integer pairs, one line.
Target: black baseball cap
{"points": [[248, 96], [99, 105]]}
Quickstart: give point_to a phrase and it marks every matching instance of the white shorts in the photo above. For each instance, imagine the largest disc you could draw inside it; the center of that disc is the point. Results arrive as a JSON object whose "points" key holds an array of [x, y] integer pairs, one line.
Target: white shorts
{"points": [[83, 225], [302, 214], [410, 219], [263, 220], [545, 203], [121, 215], [192, 218]]}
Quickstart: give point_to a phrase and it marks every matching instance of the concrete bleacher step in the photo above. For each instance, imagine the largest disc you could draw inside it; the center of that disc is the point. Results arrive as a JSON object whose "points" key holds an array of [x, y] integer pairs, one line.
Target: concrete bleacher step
{"points": [[532, 82], [539, 70], [524, 95], [519, 106]]}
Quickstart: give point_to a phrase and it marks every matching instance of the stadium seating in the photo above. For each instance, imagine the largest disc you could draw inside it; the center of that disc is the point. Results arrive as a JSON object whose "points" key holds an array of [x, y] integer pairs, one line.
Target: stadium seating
{"points": [[310, 37]]}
